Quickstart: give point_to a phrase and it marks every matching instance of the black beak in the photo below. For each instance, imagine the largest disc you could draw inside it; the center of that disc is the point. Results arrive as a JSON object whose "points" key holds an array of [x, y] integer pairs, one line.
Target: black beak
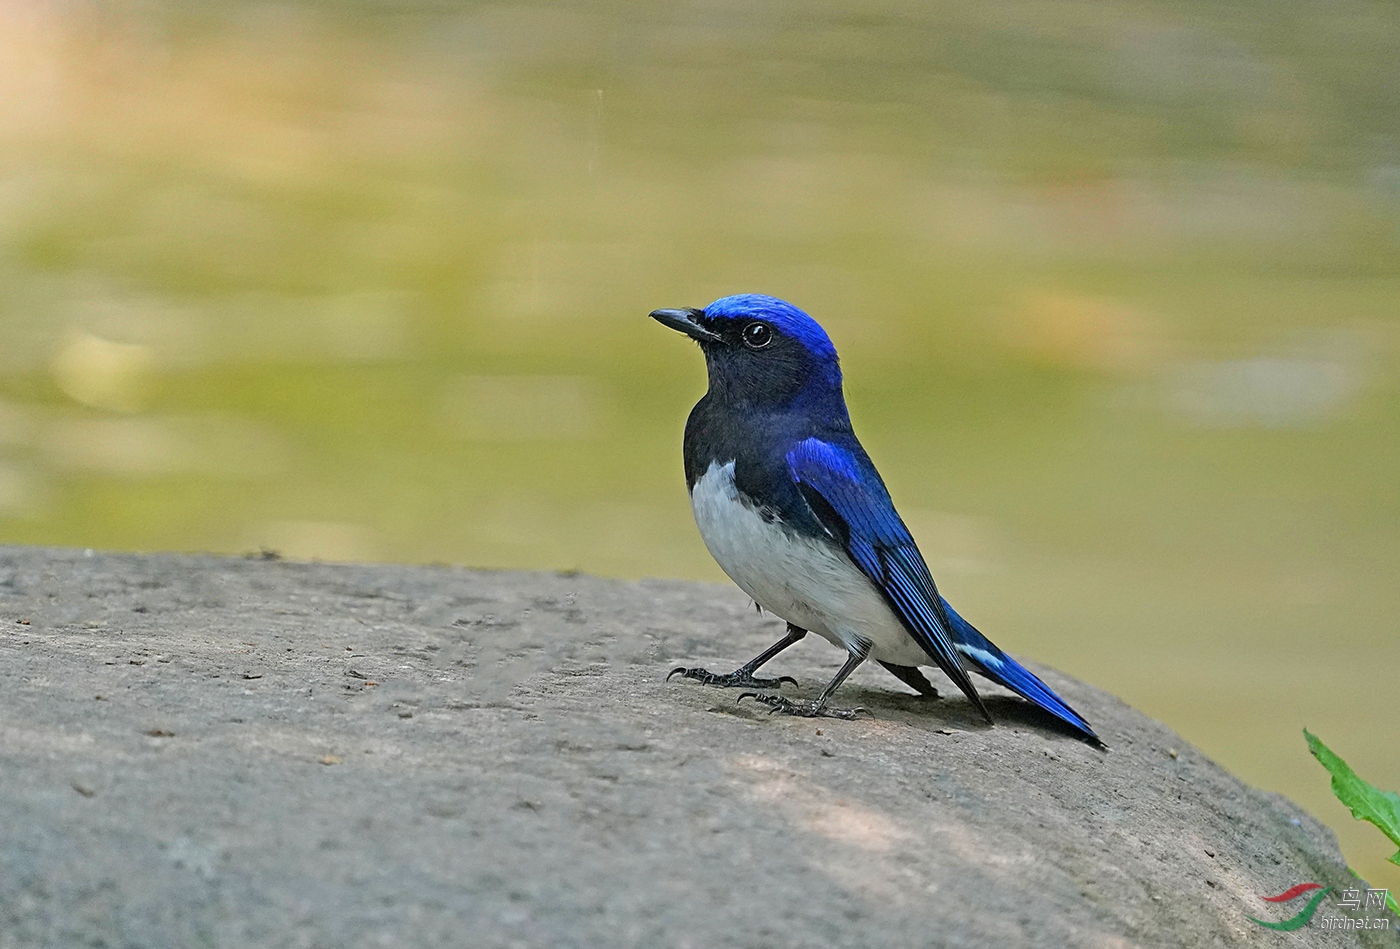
{"points": [[687, 321]]}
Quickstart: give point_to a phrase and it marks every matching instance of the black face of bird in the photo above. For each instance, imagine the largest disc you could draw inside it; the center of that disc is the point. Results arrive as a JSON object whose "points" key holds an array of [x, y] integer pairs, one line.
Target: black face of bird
{"points": [[755, 357]]}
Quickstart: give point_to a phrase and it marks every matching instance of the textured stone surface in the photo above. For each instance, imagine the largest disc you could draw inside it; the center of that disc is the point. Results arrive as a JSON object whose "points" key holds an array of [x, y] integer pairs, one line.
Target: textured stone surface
{"points": [[219, 752]]}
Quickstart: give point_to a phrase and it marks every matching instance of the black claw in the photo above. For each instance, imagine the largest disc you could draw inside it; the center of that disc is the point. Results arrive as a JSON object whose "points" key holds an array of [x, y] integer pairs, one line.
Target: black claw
{"points": [[778, 703], [738, 679]]}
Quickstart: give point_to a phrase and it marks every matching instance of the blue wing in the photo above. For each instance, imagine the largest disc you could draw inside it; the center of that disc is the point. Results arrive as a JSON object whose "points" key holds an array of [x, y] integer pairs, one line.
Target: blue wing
{"points": [[996, 665], [851, 503]]}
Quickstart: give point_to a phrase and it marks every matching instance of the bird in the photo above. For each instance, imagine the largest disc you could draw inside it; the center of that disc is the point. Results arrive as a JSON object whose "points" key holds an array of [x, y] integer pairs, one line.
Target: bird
{"points": [[794, 512]]}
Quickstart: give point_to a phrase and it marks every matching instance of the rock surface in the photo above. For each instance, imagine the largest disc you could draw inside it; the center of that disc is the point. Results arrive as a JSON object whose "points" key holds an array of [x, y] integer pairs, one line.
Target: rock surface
{"points": [[219, 752]]}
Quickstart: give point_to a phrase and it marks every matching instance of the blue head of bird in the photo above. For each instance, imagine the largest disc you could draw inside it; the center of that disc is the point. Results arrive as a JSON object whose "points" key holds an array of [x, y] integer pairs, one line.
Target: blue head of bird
{"points": [[761, 352]]}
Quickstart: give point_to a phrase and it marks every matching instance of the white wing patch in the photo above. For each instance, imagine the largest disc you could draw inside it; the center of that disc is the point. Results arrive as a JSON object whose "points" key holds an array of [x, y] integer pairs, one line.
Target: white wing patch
{"points": [[981, 655]]}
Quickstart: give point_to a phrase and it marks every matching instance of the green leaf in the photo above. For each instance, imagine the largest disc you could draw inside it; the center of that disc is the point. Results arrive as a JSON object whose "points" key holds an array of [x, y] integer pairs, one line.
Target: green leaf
{"points": [[1368, 803]]}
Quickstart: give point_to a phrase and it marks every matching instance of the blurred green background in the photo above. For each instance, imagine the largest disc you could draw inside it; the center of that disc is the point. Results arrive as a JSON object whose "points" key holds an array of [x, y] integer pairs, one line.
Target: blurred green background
{"points": [[1116, 286]]}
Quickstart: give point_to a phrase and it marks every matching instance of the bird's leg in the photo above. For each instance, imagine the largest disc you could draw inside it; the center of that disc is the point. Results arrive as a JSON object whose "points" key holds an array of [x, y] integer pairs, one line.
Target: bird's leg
{"points": [[776, 703], [743, 677]]}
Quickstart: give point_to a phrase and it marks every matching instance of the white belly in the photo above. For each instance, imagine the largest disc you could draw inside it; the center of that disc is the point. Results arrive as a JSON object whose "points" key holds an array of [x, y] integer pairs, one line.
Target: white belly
{"points": [[805, 581]]}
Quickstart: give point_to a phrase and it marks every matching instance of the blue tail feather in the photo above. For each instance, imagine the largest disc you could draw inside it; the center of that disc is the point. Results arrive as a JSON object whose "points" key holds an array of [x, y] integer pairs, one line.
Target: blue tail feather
{"points": [[984, 656]]}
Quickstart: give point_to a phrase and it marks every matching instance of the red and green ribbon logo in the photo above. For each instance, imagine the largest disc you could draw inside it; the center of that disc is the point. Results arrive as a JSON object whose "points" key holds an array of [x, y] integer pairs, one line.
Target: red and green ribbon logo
{"points": [[1304, 915]]}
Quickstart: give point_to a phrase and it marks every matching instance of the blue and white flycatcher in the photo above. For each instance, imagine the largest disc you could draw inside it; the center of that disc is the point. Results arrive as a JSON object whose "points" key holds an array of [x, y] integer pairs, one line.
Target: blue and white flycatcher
{"points": [[793, 510]]}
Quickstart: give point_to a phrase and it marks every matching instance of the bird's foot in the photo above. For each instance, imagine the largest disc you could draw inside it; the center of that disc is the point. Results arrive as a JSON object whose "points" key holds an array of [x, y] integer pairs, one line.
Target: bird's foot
{"points": [[738, 679], [777, 703]]}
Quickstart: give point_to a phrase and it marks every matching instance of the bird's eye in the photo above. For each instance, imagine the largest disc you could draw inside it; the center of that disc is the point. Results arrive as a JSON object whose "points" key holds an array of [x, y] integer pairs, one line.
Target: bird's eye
{"points": [[757, 335]]}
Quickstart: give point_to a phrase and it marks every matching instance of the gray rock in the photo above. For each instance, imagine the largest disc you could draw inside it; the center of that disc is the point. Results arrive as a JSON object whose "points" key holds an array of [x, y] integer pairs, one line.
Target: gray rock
{"points": [[218, 752]]}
